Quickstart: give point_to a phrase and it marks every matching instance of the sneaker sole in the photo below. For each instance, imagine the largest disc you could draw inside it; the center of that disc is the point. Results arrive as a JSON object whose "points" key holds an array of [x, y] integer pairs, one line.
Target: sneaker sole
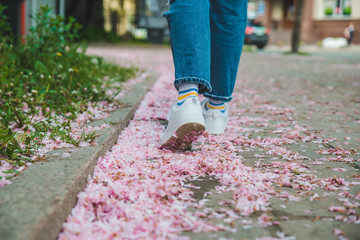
{"points": [[185, 135]]}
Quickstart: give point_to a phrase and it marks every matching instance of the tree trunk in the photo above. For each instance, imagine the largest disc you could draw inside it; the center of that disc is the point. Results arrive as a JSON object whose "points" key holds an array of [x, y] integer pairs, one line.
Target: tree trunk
{"points": [[89, 14], [70, 7], [295, 40]]}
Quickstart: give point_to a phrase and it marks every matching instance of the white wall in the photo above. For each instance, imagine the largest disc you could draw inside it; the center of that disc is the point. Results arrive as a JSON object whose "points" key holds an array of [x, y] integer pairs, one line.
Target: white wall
{"points": [[355, 11], [318, 9], [32, 6]]}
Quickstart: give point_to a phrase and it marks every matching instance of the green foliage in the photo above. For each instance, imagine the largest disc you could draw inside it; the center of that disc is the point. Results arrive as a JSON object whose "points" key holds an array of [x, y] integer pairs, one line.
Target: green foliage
{"points": [[49, 73], [5, 29], [248, 48], [347, 11], [328, 11], [51, 34], [297, 53], [92, 34]]}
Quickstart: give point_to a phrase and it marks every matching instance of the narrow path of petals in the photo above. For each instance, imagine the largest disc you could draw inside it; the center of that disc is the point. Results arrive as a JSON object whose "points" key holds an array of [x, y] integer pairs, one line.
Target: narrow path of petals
{"points": [[139, 191]]}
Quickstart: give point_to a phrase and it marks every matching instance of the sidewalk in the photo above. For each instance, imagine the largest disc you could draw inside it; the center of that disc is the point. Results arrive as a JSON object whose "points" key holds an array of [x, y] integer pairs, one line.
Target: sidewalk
{"points": [[287, 167], [314, 49]]}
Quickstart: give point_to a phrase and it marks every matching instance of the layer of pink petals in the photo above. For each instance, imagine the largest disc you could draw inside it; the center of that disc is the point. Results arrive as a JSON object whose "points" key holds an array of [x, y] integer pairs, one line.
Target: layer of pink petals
{"points": [[139, 191]]}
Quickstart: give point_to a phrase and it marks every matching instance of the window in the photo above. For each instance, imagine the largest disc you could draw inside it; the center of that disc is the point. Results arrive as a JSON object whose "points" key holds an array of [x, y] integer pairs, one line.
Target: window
{"points": [[346, 7], [337, 8]]}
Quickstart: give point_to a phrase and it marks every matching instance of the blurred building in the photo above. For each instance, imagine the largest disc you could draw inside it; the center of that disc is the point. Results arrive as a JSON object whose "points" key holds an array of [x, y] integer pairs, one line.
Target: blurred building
{"points": [[321, 18], [19, 12], [149, 16]]}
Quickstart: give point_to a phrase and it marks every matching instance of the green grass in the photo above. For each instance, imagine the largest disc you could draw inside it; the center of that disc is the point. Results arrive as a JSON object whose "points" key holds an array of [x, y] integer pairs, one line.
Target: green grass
{"points": [[48, 74], [248, 48], [298, 53]]}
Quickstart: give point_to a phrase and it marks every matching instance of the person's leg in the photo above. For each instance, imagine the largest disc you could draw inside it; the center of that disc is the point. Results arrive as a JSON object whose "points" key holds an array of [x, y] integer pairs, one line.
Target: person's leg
{"points": [[189, 25], [190, 41], [351, 38], [228, 20], [227, 25]]}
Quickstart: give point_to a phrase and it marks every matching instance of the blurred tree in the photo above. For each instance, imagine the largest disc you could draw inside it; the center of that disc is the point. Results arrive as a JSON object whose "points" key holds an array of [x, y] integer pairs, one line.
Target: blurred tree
{"points": [[295, 40], [87, 12], [118, 16], [121, 3]]}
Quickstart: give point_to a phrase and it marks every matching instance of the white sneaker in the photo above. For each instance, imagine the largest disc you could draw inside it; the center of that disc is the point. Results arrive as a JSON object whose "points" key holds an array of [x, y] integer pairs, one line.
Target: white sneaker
{"points": [[215, 120], [186, 123]]}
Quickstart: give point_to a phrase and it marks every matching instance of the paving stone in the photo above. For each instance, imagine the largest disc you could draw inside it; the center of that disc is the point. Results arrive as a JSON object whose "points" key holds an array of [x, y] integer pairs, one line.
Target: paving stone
{"points": [[319, 229]]}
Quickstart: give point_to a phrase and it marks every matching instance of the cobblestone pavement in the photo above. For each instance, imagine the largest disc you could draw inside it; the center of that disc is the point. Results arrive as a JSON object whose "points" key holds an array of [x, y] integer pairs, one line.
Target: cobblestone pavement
{"points": [[286, 168]]}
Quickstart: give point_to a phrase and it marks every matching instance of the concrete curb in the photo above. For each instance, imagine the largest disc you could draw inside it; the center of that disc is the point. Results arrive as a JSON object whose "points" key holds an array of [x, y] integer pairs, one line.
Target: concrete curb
{"points": [[38, 201]]}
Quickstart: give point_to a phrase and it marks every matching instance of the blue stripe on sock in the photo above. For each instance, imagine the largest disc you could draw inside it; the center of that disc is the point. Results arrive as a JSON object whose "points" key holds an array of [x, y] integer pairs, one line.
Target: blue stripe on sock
{"points": [[216, 104], [207, 108], [179, 104], [189, 90]]}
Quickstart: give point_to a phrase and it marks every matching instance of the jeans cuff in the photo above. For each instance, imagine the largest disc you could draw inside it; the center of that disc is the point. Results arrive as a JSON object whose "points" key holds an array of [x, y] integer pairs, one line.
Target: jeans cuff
{"points": [[218, 98], [204, 86]]}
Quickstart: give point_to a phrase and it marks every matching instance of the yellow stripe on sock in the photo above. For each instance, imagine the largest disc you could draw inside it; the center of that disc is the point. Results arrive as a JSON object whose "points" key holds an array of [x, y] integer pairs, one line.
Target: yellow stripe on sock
{"points": [[213, 107], [187, 95]]}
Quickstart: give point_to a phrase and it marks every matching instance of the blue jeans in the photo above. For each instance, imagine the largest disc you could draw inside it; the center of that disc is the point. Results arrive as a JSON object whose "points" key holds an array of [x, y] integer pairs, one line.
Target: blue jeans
{"points": [[206, 39]]}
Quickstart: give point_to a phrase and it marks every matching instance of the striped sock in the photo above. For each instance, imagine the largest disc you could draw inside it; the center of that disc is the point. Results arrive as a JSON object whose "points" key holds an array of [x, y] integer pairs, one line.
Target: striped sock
{"points": [[216, 105], [187, 90]]}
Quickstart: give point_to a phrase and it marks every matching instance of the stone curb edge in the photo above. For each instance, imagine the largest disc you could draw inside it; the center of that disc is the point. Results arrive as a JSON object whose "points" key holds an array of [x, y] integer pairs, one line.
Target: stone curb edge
{"points": [[38, 201]]}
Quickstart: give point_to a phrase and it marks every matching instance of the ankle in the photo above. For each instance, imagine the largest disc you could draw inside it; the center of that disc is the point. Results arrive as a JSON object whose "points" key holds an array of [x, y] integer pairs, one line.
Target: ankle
{"points": [[212, 104], [186, 91]]}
